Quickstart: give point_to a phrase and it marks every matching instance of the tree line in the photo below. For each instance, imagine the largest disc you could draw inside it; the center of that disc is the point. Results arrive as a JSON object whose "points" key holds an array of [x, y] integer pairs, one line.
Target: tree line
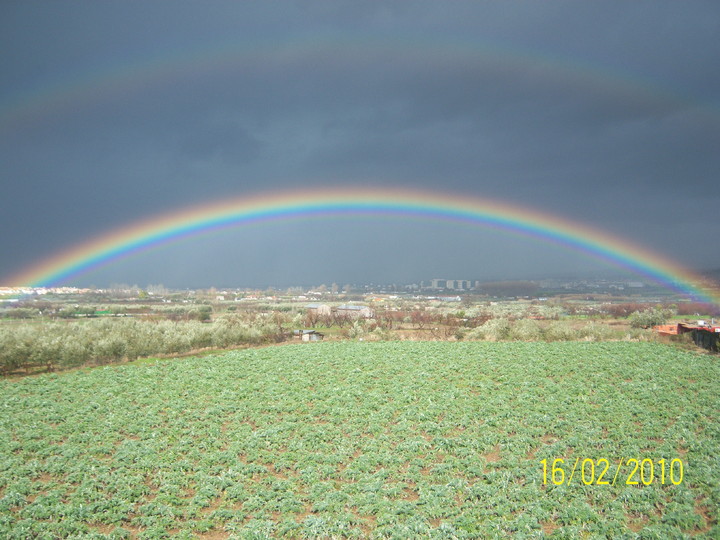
{"points": [[52, 345]]}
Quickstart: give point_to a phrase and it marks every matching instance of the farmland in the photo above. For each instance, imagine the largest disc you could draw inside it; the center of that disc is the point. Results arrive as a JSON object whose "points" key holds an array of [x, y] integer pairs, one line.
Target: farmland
{"points": [[366, 439], [66, 330]]}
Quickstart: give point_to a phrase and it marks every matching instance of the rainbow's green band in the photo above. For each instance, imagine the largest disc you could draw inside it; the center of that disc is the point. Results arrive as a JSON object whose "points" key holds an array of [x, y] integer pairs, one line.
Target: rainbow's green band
{"points": [[290, 205]]}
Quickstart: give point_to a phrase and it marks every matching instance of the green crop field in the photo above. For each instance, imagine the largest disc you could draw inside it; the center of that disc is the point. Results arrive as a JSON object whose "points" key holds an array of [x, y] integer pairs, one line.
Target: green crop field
{"points": [[357, 439]]}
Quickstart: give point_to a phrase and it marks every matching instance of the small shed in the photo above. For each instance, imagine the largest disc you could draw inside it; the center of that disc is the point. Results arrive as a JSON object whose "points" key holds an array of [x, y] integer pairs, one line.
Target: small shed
{"points": [[308, 335]]}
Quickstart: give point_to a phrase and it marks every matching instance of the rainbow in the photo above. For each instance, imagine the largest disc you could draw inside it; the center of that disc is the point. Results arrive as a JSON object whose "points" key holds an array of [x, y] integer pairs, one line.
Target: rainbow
{"points": [[77, 91], [289, 205]]}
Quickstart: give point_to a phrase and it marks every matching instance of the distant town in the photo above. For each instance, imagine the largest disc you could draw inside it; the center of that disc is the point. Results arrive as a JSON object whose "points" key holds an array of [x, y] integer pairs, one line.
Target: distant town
{"points": [[440, 288]]}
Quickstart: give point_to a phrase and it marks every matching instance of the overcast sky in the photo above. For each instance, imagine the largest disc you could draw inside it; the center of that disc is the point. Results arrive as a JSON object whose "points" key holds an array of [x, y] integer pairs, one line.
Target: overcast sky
{"points": [[606, 113]]}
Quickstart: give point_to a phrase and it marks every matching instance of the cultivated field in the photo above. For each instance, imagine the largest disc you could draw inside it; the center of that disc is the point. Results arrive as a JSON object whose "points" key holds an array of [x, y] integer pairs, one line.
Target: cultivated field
{"points": [[358, 439]]}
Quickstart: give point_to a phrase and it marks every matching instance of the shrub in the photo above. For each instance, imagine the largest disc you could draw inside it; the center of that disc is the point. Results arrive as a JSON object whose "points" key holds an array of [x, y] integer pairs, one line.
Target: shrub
{"points": [[200, 314], [558, 331], [380, 334], [596, 332], [526, 330], [21, 313], [492, 330], [109, 349], [75, 353], [357, 330], [649, 317]]}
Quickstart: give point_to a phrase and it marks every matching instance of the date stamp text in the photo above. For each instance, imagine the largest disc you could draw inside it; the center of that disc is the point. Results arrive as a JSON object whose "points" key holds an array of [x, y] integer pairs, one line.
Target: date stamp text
{"points": [[604, 472]]}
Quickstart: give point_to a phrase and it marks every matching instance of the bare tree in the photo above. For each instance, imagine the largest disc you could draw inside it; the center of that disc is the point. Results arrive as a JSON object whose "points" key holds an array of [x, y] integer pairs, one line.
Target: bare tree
{"points": [[341, 319], [420, 319], [312, 318]]}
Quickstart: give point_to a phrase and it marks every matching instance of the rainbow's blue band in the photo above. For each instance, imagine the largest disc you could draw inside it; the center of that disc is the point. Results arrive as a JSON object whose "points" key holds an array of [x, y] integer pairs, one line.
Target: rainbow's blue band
{"points": [[357, 202]]}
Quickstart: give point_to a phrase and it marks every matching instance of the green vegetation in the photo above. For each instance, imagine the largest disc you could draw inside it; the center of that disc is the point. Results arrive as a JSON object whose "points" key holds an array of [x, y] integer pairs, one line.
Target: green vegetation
{"points": [[649, 317], [45, 335], [51, 345], [351, 439]]}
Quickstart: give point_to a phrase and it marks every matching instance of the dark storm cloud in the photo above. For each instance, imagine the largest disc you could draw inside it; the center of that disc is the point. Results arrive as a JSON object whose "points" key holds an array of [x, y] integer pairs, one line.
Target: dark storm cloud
{"points": [[604, 112], [224, 140]]}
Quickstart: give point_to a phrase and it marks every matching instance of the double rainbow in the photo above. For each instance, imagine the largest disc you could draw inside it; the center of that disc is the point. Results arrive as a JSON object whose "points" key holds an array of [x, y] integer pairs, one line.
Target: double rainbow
{"points": [[289, 205]]}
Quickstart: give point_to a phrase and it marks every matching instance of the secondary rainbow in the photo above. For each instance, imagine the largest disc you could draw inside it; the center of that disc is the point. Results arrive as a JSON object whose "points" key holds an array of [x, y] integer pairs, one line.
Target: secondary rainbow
{"points": [[289, 205], [76, 91]]}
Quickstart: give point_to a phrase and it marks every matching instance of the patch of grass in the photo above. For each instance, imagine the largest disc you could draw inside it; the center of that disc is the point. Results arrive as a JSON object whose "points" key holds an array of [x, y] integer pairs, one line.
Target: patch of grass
{"points": [[351, 439]]}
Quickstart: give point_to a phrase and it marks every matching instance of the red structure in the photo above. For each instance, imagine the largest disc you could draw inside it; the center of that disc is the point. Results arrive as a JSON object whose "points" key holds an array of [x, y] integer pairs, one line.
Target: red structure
{"points": [[703, 334]]}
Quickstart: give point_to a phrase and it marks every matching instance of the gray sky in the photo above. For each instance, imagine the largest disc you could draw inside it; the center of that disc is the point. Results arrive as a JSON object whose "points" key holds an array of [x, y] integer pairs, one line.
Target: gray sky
{"points": [[606, 113]]}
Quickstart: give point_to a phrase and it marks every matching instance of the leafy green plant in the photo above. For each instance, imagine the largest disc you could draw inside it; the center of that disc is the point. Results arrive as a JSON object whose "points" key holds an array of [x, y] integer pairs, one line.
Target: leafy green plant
{"points": [[362, 439]]}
